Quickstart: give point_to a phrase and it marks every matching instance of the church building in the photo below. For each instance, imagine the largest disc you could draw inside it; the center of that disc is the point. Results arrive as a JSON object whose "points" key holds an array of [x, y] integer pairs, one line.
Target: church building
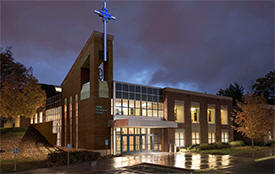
{"points": [[101, 114]]}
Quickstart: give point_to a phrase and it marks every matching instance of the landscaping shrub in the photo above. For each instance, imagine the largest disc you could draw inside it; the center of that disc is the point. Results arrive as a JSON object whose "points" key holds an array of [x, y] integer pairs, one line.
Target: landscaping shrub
{"points": [[236, 143], [75, 156], [207, 146], [222, 145], [193, 147]]}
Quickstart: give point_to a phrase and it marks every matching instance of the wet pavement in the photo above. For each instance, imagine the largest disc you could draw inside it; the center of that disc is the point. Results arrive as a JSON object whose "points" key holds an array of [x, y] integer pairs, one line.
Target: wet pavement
{"points": [[184, 160]]}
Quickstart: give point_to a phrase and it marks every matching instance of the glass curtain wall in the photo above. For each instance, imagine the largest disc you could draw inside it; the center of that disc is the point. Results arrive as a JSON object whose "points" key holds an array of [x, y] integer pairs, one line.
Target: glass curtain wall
{"points": [[136, 100]]}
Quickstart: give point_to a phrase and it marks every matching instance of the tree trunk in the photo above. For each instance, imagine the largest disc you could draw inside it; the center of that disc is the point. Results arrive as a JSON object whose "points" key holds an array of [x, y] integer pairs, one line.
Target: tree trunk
{"points": [[252, 142]]}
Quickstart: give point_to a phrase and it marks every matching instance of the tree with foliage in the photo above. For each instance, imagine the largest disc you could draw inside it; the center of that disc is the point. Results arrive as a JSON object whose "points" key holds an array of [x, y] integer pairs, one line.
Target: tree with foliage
{"points": [[253, 119], [235, 91], [266, 86], [20, 94]]}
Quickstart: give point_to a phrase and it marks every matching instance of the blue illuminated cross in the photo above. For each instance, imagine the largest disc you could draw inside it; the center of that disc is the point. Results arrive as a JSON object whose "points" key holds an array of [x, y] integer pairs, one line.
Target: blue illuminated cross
{"points": [[106, 16]]}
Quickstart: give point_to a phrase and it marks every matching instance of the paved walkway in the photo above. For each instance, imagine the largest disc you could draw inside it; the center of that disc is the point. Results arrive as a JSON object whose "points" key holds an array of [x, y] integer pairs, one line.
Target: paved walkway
{"points": [[194, 161]]}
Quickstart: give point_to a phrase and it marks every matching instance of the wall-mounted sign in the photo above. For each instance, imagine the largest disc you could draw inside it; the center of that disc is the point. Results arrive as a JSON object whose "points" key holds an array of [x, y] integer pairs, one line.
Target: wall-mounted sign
{"points": [[15, 151], [100, 110], [106, 142]]}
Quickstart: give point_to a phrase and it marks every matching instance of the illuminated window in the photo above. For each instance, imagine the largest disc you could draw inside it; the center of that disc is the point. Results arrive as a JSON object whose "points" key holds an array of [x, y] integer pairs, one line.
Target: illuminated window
{"points": [[211, 137], [31, 120], [179, 137], [195, 112], [211, 113], [65, 120], [143, 105], [179, 111], [124, 111], [112, 106], [71, 121], [224, 137], [40, 117], [195, 138], [35, 118], [224, 115], [131, 107], [76, 121], [118, 106]]}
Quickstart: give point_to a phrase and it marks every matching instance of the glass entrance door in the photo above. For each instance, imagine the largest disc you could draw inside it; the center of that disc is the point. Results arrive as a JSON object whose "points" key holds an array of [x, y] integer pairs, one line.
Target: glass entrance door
{"points": [[143, 143], [124, 140], [137, 142]]}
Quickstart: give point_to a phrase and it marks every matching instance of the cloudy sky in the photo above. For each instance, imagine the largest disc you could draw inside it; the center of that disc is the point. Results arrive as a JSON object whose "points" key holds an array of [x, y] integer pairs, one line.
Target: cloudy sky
{"points": [[200, 46]]}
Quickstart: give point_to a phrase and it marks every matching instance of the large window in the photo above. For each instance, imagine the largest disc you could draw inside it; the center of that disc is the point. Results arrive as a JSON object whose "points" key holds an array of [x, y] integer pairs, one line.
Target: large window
{"points": [[31, 120], [35, 118], [71, 121], [224, 115], [179, 137], [138, 108], [65, 120], [195, 138], [179, 111], [40, 117], [137, 100], [211, 114], [195, 112], [76, 121], [54, 115], [224, 137], [211, 137]]}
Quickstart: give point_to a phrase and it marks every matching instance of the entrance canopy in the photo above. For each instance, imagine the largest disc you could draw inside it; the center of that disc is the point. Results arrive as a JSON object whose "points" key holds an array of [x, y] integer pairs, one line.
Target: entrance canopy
{"points": [[142, 122]]}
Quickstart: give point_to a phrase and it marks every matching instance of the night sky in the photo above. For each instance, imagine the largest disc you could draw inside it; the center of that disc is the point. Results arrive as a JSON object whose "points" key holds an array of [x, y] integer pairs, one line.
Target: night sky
{"points": [[199, 46]]}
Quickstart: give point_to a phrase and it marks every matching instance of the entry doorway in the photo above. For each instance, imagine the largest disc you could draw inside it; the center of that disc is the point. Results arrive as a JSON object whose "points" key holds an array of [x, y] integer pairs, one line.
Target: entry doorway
{"points": [[128, 142]]}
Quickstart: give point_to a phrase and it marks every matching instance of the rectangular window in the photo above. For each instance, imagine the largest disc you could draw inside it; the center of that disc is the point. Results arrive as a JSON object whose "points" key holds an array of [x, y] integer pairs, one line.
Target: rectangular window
{"points": [[31, 120], [71, 121], [179, 137], [112, 106], [224, 137], [118, 105], [149, 112], [65, 120], [179, 111], [138, 112], [195, 138], [155, 113], [137, 104], [125, 111], [35, 118], [40, 117], [132, 107], [211, 137], [224, 115], [76, 121], [211, 114], [195, 112]]}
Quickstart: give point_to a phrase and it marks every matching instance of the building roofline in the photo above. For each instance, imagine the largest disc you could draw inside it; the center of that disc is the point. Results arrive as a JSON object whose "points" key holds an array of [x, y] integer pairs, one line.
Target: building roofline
{"points": [[94, 34], [197, 93], [181, 91], [137, 84]]}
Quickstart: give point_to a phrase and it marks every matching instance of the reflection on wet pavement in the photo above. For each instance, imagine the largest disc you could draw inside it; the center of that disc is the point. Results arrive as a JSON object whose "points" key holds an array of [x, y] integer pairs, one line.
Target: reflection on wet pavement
{"points": [[193, 161], [184, 160]]}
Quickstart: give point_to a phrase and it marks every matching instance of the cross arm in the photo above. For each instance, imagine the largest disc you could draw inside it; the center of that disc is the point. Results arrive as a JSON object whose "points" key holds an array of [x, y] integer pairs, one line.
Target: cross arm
{"points": [[97, 12], [113, 18]]}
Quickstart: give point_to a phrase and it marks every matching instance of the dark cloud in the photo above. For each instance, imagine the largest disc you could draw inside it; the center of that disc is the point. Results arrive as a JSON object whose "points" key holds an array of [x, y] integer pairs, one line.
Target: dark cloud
{"points": [[200, 46]]}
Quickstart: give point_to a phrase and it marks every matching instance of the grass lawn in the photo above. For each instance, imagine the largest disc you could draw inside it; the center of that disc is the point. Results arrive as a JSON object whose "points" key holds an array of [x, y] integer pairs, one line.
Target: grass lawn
{"points": [[21, 164], [235, 150]]}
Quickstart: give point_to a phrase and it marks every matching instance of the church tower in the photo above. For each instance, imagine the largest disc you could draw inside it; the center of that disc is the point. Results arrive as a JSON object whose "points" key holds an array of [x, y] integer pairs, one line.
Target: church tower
{"points": [[87, 96]]}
